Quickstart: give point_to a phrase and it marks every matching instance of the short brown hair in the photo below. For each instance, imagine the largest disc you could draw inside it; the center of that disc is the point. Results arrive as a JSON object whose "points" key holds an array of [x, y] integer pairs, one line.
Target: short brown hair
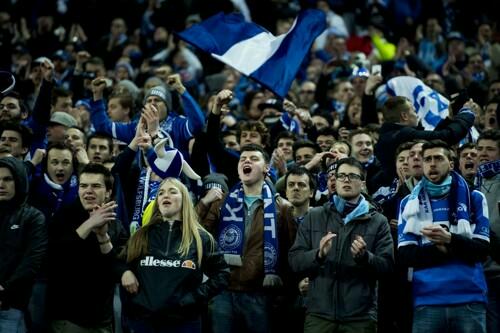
{"points": [[393, 108], [439, 144], [257, 126]]}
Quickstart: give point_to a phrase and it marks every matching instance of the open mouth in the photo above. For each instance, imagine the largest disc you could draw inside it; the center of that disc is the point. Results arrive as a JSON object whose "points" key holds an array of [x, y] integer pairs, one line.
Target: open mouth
{"points": [[97, 158], [469, 165], [247, 169], [60, 176], [346, 188], [433, 174], [89, 199]]}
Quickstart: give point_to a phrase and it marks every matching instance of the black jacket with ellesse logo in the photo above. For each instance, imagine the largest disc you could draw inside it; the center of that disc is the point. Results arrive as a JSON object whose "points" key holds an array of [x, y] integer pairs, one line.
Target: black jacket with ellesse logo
{"points": [[171, 286]]}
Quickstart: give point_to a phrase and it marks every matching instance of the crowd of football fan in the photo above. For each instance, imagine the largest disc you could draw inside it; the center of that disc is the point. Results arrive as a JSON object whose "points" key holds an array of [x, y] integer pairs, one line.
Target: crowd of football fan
{"points": [[147, 187]]}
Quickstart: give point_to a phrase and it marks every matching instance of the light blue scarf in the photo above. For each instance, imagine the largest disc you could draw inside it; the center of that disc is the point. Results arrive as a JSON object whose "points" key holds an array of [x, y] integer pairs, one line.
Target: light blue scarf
{"points": [[361, 209], [437, 190]]}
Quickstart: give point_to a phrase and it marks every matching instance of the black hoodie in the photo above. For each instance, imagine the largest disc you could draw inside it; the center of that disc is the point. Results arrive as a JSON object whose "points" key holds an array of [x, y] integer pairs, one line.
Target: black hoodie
{"points": [[23, 240]]}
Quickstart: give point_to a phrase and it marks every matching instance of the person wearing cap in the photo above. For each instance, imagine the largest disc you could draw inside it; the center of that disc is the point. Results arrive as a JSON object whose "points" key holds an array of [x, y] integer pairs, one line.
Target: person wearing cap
{"points": [[358, 80], [58, 124], [124, 71], [82, 108], [158, 100], [62, 71], [23, 245], [457, 57]]}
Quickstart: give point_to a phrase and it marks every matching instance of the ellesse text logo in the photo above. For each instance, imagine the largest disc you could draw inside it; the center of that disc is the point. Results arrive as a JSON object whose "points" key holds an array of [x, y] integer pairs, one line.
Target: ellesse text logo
{"points": [[150, 261]]}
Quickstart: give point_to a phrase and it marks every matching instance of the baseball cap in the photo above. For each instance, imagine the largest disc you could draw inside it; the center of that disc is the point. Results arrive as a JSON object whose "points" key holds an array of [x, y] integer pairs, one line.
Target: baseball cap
{"points": [[63, 118], [61, 55], [455, 35]]}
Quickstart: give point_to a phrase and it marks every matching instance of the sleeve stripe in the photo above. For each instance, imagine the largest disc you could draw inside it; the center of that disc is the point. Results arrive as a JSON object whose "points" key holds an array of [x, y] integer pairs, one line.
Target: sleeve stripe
{"points": [[404, 243], [188, 130], [485, 238]]}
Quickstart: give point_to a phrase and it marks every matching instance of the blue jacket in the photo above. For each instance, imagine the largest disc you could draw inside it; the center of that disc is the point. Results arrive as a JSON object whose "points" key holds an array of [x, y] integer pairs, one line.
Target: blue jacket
{"points": [[49, 197], [180, 128], [456, 277]]}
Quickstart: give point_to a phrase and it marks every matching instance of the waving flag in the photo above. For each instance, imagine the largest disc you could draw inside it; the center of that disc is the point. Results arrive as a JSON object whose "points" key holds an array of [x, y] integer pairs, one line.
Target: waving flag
{"points": [[271, 60], [430, 105]]}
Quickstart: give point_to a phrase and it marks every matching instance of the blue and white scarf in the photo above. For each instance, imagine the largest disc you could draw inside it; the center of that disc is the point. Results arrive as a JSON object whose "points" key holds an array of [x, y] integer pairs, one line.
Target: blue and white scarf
{"points": [[232, 226], [486, 170], [418, 210], [146, 192], [370, 161], [386, 193], [361, 208]]}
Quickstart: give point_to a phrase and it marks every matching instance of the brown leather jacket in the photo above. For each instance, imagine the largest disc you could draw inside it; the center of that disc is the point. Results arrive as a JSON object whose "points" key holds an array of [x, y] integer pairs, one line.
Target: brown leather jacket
{"points": [[250, 275]]}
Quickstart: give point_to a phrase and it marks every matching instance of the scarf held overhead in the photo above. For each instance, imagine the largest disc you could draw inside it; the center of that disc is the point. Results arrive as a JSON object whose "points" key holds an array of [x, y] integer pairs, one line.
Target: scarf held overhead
{"points": [[232, 226]]}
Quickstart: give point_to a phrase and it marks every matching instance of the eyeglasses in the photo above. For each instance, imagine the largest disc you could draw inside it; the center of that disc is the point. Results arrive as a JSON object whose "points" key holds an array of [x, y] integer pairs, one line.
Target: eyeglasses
{"points": [[310, 92], [351, 176]]}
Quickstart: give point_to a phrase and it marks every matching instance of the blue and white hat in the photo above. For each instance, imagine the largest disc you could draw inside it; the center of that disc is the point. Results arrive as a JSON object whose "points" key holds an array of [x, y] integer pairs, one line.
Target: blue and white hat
{"points": [[166, 161]]}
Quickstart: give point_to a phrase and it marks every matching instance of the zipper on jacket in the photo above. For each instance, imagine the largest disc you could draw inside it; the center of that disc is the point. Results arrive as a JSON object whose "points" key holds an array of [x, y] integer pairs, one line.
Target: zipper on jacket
{"points": [[168, 238], [339, 249]]}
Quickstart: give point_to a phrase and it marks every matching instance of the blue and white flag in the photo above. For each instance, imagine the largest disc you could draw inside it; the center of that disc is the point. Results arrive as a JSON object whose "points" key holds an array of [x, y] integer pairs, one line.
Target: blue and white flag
{"points": [[273, 61], [430, 105]]}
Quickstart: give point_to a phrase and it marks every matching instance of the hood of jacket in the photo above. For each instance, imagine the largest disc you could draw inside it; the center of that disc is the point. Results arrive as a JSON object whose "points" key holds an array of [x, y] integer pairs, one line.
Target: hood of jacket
{"points": [[20, 175]]}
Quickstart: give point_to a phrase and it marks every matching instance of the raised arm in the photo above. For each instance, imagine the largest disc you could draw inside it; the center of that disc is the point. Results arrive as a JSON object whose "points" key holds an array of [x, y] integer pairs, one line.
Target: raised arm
{"points": [[101, 121]]}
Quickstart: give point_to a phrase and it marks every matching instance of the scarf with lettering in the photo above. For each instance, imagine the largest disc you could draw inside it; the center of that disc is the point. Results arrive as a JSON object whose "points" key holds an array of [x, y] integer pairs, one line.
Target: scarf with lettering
{"points": [[146, 192], [486, 170], [232, 226]]}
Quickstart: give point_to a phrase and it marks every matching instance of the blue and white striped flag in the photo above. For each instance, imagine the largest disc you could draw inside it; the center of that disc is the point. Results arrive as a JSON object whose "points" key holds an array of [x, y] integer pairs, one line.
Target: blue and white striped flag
{"points": [[430, 105], [271, 60]]}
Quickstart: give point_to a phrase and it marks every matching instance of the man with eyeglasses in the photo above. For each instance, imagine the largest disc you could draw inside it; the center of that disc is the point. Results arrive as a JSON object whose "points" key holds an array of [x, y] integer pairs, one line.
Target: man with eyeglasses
{"points": [[343, 247], [443, 234]]}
